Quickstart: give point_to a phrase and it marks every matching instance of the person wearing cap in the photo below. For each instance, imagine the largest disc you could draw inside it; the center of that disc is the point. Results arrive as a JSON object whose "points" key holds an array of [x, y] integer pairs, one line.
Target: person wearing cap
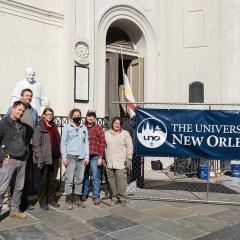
{"points": [[96, 140]]}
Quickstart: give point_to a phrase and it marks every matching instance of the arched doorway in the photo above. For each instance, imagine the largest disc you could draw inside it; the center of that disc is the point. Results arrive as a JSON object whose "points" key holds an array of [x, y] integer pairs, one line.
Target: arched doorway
{"points": [[142, 36], [121, 47]]}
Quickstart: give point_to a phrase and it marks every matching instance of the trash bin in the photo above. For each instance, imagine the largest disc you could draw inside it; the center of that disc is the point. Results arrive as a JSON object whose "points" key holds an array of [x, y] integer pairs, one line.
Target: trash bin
{"points": [[235, 167], [203, 172]]}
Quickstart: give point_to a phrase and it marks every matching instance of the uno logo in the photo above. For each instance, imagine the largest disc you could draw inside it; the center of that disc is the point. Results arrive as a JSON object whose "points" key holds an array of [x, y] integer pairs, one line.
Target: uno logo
{"points": [[152, 133]]}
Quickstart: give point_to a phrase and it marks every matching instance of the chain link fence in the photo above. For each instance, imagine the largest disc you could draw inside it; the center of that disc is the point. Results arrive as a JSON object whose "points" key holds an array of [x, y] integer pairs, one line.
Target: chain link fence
{"points": [[33, 171], [167, 178], [181, 179]]}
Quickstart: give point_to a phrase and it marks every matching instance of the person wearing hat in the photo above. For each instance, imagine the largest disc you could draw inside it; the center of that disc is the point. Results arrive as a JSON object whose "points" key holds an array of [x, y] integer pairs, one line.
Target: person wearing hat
{"points": [[96, 140]]}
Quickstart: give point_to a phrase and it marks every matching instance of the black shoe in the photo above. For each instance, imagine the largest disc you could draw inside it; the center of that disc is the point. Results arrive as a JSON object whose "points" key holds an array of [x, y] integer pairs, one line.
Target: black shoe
{"points": [[84, 198], [78, 201], [25, 206], [69, 202], [54, 204], [44, 207], [30, 207]]}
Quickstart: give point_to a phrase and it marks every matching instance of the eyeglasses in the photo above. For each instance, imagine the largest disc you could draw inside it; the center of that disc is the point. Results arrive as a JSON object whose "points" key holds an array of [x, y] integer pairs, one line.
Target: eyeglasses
{"points": [[48, 114]]}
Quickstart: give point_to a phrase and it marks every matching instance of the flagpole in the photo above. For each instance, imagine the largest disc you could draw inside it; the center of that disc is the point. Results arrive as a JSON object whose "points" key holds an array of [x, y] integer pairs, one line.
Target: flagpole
{"points": [[122, 63], [128, 91], [123, 72]]}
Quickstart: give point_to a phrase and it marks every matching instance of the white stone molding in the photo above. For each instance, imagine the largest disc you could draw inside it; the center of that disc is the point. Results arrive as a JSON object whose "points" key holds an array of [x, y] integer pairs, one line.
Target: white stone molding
{"points": [[31, 13], [104, 22], [82, 53], [195, 26], [125, 12]]}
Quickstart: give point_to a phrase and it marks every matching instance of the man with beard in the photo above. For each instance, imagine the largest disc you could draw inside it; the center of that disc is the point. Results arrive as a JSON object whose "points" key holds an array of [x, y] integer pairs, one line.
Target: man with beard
{"points": [[96, 149]]}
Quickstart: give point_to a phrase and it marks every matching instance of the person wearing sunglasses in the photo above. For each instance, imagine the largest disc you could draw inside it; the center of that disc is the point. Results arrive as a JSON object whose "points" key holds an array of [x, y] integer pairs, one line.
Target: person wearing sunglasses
{"points": [[47, 155]]}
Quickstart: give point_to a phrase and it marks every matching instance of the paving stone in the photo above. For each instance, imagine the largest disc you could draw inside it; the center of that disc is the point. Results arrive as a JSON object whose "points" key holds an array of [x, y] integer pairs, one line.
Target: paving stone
{"points": [[233, 207], [36, 232], [230, 233], [10, 222], [149, 221], [73, 229], [146, 204], [177, 230], [130, 213], [219, 197], [167, 194], [227, 217], [181, 204], [84, 214], [140, 233], [40, 214], [57, 220], [142, 219], [201, 223], [207, 209], [224, 197], [95, 236], [111, 223], [103, 205], [171, 213]]}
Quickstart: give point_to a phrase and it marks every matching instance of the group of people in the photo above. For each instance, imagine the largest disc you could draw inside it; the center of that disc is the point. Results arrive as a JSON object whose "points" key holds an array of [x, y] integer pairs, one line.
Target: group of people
{"points": [[83, 146]]}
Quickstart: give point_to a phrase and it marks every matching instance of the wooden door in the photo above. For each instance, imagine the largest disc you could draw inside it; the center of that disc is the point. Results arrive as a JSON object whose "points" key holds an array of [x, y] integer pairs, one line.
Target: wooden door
{"points": [[111, 86], [136, 79]]}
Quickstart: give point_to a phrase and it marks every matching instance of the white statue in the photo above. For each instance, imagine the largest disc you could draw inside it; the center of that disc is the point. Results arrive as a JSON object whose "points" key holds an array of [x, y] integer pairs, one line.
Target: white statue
{"points": [[39, 100]]}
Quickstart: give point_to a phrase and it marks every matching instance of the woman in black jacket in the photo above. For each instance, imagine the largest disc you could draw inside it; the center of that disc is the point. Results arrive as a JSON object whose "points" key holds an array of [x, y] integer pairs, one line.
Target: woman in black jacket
{"points": [[46, 153]]}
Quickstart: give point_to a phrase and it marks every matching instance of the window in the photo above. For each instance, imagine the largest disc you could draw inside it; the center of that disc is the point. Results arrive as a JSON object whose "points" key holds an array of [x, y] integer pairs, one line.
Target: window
{"points": [[196, 92]]}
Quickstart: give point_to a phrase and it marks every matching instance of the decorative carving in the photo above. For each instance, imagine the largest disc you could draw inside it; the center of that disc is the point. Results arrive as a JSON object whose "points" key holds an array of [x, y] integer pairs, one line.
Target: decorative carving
{"points": [[82, 53]]}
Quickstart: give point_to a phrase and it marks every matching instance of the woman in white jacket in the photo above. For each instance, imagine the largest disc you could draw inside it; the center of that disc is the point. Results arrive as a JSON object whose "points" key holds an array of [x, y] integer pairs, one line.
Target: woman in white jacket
{"points": [[119, 150]]}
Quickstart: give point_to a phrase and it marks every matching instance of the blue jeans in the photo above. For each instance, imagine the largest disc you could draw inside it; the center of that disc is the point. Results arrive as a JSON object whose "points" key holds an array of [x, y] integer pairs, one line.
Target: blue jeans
{"points": [[74, 175], [96, 171]]}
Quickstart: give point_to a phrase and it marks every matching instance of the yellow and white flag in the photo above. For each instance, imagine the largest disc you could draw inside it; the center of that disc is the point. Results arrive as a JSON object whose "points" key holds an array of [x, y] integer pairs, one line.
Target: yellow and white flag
{"points": [[128, 94], [128, 91]]}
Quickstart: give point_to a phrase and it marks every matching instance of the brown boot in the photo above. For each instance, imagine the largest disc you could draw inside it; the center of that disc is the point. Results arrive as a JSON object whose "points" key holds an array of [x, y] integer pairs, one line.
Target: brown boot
{"points": [[114, 201], [17, 214], [124, 202], [69, 202], [96, 201]]}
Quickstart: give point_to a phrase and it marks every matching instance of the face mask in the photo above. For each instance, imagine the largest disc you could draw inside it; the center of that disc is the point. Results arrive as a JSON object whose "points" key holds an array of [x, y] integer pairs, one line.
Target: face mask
{"points": [[77, 120]]}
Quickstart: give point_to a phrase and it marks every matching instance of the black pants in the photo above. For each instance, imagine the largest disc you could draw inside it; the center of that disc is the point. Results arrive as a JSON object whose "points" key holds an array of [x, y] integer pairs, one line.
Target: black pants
{"points": [[31, 172], [47, 188]]}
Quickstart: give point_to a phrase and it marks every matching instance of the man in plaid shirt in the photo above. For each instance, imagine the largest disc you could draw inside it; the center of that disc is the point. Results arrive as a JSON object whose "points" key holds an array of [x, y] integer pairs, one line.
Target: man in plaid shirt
{"points": [[96, 150]]}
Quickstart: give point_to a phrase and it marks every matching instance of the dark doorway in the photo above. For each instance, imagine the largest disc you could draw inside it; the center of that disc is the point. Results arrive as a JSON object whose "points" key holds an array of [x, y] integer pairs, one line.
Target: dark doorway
{"points": [[121, 49]]}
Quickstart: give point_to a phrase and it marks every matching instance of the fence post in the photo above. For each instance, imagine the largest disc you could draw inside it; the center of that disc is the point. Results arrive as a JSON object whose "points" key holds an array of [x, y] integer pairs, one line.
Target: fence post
{"points": [[208, 180]]}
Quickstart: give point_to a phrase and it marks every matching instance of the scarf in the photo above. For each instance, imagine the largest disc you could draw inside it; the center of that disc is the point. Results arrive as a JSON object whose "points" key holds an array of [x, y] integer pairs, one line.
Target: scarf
{"points": [[52, 130]]}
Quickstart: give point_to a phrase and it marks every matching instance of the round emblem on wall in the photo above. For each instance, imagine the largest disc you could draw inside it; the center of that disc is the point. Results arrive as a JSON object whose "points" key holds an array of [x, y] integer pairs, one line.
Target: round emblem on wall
{"points": [[82, 53]]}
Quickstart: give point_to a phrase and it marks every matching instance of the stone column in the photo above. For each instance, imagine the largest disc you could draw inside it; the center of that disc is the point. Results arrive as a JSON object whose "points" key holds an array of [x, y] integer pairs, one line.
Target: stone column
{"points": [[230, 51]]}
